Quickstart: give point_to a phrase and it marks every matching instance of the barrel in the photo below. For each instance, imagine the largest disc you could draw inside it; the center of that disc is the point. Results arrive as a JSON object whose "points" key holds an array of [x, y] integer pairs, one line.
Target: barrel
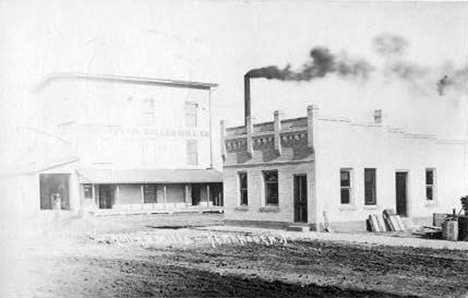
{"points": [[450, 230], [463, 228]]}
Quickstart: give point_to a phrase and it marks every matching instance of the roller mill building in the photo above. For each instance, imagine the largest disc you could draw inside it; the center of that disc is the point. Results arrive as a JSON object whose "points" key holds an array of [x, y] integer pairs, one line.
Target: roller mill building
{"points": [[110, 143]]}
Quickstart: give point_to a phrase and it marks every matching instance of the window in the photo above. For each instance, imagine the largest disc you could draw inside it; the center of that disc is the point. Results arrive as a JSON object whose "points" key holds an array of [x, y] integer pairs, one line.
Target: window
{"points": [[149, 117], [271, 187], [150, 193], [369, 185], [192, 152], [88, 191], [345, 185], [430, 184], [191, 114], [243, 189]]}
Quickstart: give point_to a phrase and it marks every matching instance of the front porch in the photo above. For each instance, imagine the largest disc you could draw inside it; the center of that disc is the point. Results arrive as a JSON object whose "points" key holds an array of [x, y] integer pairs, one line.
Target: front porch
{"points": [[151, 191]]}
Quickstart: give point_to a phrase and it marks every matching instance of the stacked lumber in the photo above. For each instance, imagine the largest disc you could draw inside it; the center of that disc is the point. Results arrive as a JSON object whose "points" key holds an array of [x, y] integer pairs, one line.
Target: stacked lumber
{"points": [[376, 223], [393, 220]]}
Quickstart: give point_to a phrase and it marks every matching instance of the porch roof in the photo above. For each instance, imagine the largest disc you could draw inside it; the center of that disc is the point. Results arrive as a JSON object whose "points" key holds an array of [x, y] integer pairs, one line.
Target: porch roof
{"points": [[133, 176]]}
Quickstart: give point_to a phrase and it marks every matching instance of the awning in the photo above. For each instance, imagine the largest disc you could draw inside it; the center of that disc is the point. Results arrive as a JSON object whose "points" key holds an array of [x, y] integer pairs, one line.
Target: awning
{"points": [[133, 176]]}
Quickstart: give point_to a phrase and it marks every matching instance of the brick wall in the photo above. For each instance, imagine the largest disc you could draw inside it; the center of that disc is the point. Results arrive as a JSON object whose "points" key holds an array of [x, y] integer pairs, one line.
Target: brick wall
{"points": [[256, 193]]}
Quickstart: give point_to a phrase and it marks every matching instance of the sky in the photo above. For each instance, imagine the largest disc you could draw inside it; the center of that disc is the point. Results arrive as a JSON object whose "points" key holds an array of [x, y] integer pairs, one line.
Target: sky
{"points": [[214, 41]]}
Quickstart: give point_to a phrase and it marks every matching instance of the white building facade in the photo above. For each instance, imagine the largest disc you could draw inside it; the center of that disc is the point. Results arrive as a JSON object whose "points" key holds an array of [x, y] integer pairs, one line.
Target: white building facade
{"points": [[316, 170], [121, 143]]}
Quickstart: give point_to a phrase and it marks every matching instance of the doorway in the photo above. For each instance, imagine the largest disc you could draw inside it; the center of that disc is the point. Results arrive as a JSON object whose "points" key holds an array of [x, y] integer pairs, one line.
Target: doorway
{"points": [[216, 194], [401, 186], [51, 185], [106, 195], [300, 198], [196, 194]]}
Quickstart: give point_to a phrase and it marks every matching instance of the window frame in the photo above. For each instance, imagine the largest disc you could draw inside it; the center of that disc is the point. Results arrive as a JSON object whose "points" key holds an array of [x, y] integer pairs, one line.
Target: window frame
{"points": [[373, 202], [190, 152], [349, 188], [243, 191], [432, 185], [267, 191], [191, 110]]}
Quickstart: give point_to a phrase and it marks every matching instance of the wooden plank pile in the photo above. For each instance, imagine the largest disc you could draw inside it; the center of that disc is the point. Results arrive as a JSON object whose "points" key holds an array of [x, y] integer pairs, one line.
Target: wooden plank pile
{"points": [[388, 222]]}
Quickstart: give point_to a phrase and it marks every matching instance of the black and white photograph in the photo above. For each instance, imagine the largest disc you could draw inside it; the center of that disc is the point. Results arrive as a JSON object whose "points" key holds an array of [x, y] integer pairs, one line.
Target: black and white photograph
{"points": [[241, 148]]}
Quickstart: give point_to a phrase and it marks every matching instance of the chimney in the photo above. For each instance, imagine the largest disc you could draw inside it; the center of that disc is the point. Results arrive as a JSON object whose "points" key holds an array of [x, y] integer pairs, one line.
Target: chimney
{"points": [[378, 117], [246, 98]]}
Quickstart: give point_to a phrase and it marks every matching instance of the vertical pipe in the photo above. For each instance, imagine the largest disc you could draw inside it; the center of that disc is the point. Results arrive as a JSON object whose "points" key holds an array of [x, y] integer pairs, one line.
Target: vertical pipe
{"points": [[211, 133], [222, 143]]}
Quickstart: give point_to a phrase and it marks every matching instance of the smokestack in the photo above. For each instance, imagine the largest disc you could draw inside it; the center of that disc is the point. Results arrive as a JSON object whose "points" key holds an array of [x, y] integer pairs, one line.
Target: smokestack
{"points": [[246, 98]]}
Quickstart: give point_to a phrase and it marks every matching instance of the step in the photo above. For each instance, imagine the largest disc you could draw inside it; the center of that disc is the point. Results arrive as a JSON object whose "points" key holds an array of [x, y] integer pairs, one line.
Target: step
{"points": [[298, 228]]}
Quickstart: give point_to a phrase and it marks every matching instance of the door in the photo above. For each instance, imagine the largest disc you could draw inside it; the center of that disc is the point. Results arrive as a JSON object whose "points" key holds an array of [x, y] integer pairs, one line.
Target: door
{"points": [[196, 194], [300, 198], [50, 186], [216, 194], [401, 181], [105, 197]]}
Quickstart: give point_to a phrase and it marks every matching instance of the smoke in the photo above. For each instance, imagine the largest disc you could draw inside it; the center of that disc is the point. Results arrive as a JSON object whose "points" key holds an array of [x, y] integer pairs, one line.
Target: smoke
{"points": [[387, 44], [394, 47], [408, 71], [320, 64], [454, 80]]}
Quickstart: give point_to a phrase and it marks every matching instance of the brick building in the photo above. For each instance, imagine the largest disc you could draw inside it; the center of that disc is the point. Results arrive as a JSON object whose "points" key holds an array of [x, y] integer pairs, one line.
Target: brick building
{"points": [[110, 143], [317, 169]]}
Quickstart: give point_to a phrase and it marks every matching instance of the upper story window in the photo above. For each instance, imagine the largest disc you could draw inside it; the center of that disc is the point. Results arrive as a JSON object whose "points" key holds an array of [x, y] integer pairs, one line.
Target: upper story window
{"points": [[192, 152], [270, 179], [346, 186], [191, 117], [149, 112], [430, 184], [370, 187], [243, 190]]}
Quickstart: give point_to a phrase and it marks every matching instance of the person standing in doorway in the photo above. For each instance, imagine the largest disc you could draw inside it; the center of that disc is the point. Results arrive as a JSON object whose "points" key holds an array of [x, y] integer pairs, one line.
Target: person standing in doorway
{"points": [[57, 206]]}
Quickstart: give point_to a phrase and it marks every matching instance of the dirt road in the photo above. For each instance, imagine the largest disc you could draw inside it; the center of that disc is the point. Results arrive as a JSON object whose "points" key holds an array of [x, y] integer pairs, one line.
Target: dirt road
{"points": [[141, 256]]}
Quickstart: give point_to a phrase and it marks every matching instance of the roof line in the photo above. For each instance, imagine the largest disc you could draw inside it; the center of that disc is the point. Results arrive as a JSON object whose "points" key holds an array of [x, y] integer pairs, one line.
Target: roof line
{"points": [[126, 79]]}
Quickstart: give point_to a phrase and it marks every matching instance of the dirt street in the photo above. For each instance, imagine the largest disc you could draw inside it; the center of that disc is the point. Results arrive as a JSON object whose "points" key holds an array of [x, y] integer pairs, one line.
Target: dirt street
{"points": [[165, 255]]}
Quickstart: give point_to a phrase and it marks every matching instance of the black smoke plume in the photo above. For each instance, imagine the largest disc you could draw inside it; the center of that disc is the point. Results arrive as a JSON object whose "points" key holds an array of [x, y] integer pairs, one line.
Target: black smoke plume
{"points": [[455, 80], [322, 63]]}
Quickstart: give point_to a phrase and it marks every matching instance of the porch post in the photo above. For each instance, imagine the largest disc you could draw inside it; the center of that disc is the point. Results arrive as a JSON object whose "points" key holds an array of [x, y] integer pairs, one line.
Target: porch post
{"points": [[93, 191], [165, 197], [186, 194], [142, 193], [208, 195], [117, 195]]}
